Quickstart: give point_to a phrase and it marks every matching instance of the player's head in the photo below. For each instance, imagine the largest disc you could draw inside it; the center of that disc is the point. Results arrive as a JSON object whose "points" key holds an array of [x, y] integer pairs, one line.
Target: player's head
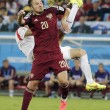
{"points": [[101, 68], [36, 5], [5, 63]]}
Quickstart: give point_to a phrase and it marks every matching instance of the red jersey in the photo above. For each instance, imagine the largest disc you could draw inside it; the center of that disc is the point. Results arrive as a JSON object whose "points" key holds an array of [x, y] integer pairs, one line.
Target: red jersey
{"points": [[45, 31]]}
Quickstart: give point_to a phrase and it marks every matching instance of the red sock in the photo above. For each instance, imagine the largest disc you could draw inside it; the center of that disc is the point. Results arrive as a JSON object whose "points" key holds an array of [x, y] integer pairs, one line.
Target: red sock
{"points": [[26, 100]]}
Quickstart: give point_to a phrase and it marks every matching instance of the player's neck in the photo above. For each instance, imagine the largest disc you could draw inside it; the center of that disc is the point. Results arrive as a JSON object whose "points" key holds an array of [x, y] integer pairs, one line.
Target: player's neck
{"points": [[37, 13]]}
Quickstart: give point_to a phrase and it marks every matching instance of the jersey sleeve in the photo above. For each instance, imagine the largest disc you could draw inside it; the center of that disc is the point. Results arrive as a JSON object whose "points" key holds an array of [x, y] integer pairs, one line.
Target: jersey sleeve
{"points": [[59, 10]]}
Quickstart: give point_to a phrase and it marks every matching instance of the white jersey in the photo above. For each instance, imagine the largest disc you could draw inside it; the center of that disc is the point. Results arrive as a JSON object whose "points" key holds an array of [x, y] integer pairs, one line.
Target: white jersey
{"points": [[26, 45]]}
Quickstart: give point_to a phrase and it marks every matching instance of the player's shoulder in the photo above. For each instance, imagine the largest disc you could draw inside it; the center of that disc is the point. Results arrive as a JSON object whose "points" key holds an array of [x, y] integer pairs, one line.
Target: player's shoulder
{"points": [[55, 7]]}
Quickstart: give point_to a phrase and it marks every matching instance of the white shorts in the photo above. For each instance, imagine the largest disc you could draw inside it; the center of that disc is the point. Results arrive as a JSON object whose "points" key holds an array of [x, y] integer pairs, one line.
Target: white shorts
{"points": [[26, 45], [66, 52]]}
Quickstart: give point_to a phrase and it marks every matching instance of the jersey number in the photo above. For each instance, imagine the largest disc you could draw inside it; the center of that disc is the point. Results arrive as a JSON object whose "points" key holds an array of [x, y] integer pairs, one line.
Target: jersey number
{"points": [[44, 25], [63, 64]]}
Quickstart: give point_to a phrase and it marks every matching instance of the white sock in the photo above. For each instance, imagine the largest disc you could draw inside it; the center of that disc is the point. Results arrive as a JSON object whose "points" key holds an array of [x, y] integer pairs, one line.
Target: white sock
{"points": [[85, 67], [11, 93], [72, 15]]}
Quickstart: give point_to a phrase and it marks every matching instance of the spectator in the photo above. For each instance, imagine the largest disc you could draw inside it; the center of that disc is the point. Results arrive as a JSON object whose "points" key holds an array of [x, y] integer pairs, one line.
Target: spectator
{"points": [[11, 5], [87, 6], [2, 3], [7, 75], [95, 13], [80, 13], [4, 13], [49, 82], [102, 75], [76, 77], [3, 27], [13, 25], [82, 28]]}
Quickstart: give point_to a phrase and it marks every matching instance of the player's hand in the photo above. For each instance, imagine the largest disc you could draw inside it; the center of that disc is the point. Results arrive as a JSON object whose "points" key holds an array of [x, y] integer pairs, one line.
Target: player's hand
{"points": [[21, 12], [66, 27]]}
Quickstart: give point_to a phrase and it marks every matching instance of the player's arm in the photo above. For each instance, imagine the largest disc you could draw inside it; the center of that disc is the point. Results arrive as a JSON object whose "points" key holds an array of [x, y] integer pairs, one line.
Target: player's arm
{"points": [[23, 32], [20, 18], [28, 33]]}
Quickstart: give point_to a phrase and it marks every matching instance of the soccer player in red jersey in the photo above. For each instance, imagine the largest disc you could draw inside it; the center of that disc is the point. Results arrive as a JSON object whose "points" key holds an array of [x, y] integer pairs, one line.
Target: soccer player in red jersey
{"points": [[43, 24]]}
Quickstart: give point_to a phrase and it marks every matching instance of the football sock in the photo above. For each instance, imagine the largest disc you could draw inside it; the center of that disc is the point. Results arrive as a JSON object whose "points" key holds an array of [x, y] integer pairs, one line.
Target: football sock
{"points": [[27, 98], [85, 67], [64, 93], [11, 92], [72, 15]]}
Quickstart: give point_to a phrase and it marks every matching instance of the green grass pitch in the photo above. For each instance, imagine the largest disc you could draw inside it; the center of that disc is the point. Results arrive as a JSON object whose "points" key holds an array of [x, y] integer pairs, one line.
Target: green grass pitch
{"points": [[7, 103]]}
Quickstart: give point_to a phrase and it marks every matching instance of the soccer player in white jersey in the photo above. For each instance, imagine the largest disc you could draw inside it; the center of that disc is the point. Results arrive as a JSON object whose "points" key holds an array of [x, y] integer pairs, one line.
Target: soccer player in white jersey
{"points": [[26, 45]]}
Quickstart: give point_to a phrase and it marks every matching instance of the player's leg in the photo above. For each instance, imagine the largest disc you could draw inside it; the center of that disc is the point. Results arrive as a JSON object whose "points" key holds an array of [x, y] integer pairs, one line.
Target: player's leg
{"points": [[64, 85], [76, 4], [29, 91], [85, 67], [11, 87], [37, 74]]}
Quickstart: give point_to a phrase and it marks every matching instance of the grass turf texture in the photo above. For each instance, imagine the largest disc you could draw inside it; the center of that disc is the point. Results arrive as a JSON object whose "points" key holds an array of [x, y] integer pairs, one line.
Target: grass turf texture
{"points": [[7, 103]]}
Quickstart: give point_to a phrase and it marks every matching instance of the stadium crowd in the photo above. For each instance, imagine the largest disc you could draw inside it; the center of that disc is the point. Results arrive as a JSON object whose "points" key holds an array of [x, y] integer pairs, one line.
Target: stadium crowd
{"points": [[92, 10], [11, 79]]}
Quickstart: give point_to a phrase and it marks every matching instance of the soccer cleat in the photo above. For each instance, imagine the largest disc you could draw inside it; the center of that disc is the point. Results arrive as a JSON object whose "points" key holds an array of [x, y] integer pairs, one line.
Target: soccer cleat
{"points": [[78, 2], [63, 105], [95, 86]]}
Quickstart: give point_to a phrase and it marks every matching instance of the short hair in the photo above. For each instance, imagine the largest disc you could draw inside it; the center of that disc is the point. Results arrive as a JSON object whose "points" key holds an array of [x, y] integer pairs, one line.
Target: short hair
{"points": [[101, 64], [5, 61], [30, 2]]}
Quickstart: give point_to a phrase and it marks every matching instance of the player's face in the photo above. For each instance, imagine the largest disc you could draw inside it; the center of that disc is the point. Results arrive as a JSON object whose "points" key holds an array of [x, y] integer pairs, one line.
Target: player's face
{"points": [[37, 6]]}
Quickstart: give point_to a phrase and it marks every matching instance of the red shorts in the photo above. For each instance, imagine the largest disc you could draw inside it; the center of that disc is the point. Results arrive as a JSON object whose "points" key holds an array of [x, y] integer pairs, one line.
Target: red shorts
{"points": [[46, 63]]}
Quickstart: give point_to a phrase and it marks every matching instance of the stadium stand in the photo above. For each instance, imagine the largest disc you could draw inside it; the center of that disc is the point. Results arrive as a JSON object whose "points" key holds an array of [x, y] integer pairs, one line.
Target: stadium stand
{"points": [[89, 32]]}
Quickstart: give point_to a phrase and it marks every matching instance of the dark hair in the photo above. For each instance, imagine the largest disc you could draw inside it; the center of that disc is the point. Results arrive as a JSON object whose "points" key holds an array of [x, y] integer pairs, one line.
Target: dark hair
{"points": [[30, 2], [101, 64], [5, 60]]}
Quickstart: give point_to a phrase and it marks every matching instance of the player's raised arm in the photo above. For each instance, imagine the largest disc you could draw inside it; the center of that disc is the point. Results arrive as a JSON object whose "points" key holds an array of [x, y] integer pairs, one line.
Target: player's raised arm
{"points": [[20, 18]]}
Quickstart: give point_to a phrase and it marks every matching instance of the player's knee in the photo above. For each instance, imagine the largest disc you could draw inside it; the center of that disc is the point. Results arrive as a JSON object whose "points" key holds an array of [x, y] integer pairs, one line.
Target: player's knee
{"points": [[64, 83], [82, 52], [32, 84]]}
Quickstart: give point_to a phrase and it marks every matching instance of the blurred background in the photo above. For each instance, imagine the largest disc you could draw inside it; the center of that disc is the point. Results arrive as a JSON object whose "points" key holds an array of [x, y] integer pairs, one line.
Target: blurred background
{"points": [[90, 31]]}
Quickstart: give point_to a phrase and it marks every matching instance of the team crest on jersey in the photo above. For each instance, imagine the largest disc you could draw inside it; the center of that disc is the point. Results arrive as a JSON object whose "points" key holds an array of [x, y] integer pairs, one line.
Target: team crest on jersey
{"points": [[49, 16]]}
